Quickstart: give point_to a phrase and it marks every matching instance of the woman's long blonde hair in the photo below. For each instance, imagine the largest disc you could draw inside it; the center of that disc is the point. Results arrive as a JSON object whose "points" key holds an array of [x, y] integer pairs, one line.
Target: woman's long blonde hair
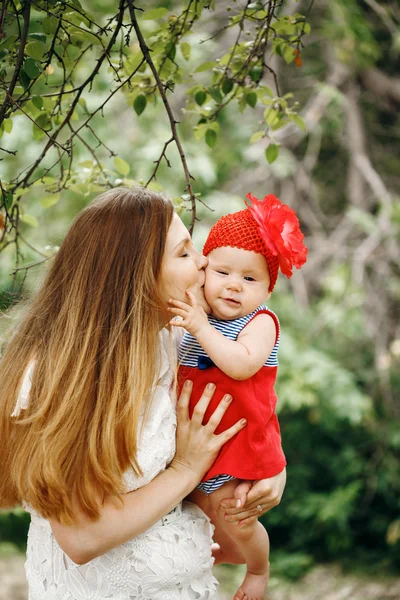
{"points": [[93, 330]]}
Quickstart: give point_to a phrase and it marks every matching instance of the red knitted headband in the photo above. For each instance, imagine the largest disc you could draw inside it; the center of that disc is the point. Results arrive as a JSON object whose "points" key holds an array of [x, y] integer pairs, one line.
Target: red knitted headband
{"points": [[267, 227]]}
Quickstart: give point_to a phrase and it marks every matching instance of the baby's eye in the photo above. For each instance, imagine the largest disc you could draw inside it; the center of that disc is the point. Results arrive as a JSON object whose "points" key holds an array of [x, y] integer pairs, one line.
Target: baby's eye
{"points": [[184, 255], [222, 272], [249, 279]]}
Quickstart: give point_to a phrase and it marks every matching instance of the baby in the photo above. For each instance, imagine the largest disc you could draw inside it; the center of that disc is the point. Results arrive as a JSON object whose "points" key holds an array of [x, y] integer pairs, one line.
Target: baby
{"points": [[235, 347]]}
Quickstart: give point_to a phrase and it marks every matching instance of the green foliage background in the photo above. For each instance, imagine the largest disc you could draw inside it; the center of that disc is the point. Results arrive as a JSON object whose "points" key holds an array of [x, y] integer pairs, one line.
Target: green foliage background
{"points": [[338, 389]]}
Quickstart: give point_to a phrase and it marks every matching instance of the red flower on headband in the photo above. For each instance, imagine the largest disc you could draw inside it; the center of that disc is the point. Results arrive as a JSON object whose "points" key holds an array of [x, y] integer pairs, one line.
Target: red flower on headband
{"points": [[280, 229]]}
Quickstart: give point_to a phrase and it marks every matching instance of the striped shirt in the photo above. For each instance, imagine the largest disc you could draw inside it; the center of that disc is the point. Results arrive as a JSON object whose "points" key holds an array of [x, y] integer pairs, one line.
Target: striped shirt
{"points": [[190, 349]]}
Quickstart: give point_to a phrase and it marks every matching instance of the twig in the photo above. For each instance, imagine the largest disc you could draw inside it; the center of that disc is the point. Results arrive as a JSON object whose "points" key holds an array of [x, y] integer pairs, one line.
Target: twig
{"points": [[2, 19], [92, 152], [19, 61], [145, 51], [158, 162], [13, 152], [35, 264], [75, 101], [30, 245], [33, 120]]}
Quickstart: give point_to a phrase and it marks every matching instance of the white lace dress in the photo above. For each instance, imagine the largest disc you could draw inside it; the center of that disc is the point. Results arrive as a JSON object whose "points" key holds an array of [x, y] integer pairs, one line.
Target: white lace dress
{"points": [[170, 561]]}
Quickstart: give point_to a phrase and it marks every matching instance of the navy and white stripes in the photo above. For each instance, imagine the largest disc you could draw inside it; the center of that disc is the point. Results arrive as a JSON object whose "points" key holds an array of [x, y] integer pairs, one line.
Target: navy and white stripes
{"points": [[190, 349], [214, 483]]}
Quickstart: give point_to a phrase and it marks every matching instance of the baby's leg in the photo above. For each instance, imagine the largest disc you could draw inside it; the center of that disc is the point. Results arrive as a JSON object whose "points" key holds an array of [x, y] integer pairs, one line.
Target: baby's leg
{"points": [[250, 543], [228, 551]]}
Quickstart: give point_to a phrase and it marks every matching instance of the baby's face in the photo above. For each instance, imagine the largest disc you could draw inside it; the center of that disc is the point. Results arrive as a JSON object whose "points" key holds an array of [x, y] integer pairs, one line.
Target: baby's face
{"points": [[237, 281]]}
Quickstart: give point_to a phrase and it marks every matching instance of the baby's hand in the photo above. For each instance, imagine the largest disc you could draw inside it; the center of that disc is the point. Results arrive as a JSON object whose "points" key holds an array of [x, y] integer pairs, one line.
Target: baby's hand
{"points": [[194, 318]]}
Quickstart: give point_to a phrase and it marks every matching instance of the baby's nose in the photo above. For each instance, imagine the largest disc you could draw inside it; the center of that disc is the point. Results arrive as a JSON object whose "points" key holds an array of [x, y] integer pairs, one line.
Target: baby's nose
{"points": [[234, 284]]}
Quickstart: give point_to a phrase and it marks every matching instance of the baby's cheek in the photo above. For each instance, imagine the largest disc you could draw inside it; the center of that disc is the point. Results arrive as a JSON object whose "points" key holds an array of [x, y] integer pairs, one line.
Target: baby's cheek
{"points": [[209, 293]]}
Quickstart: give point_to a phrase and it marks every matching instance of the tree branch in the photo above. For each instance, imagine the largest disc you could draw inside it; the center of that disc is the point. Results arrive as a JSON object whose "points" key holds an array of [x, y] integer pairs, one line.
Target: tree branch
{"points": [[75, 101], [381, 84], [158, 162], [19, 61], [146, 53]]}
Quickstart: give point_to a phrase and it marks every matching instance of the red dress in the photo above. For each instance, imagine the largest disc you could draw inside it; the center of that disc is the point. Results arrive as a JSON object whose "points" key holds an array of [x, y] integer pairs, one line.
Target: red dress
{"points": [[256, 451]]}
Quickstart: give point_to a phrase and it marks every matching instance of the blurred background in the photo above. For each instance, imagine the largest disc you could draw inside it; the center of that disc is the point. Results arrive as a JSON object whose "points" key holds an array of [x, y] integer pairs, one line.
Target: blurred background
{"points": [[336, 533]]}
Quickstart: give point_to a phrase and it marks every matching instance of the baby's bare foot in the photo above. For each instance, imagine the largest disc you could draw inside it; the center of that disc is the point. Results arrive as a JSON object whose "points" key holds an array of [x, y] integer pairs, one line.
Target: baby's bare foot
{"points": [[253, 587]]}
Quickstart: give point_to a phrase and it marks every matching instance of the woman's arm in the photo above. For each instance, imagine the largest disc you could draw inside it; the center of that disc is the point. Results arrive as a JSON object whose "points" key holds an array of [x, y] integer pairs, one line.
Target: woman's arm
{"points": [[119, 522], [197, 448], [238, 359]]}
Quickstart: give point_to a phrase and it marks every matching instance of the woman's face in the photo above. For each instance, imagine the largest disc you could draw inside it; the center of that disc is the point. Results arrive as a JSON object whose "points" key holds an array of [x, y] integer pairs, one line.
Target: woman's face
{"points": [[182, 267]]}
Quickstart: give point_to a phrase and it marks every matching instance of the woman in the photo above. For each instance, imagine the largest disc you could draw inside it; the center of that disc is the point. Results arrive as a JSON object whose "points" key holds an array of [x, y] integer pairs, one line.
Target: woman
{"points": [[90, 447]]}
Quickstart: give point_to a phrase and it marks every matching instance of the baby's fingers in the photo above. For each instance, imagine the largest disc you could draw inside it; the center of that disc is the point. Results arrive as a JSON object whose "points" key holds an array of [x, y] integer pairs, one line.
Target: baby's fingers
{"points": [[241, 492], [177, 322], [179, 312], [192, 298], [178, 304]]}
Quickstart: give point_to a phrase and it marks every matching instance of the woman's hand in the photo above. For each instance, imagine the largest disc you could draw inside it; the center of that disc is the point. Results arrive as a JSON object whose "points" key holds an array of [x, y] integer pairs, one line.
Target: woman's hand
{"points": [[197, 446], [246, 504]]}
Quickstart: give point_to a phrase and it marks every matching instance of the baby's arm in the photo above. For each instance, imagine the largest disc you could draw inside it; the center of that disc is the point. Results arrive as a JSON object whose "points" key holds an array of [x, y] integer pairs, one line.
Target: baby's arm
{"points": [[238, 359]]}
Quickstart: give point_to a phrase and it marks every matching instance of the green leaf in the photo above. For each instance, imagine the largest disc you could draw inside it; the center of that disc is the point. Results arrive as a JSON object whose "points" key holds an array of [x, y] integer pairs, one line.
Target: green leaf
{"points": [[29, 220], [215, 94], [35, 50], [154, 186], [227, 86], [122, 166], [38, 36], [256, 136], [170, 50], [200, 97], [267, 91], [8, 42], [49, 25], [37, 133], [199, 131], [139, 104], [279, 123], [251, 99], [8, 200], [49, 200], [211, 137], [31, 68], [242, 103], [271, 116], [256, 73], [272, 152], [24, 79], [205, 66], [288, 54], [8, 125], [299, 121], [44, 121], [37, 101], [186, 50], [153, 14]]}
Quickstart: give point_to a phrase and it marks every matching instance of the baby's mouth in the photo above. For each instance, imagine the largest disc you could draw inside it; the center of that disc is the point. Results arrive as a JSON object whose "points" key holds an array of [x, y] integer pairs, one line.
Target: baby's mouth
{"points": [[231, 301]]}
